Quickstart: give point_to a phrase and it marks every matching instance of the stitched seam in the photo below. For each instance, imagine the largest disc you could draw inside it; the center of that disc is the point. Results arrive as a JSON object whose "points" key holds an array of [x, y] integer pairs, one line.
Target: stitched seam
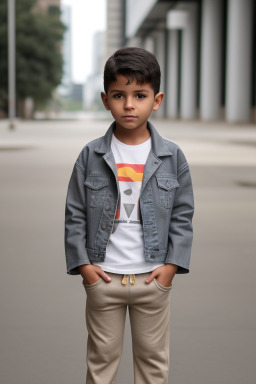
{"points": [[81, 169], [182, 168]]}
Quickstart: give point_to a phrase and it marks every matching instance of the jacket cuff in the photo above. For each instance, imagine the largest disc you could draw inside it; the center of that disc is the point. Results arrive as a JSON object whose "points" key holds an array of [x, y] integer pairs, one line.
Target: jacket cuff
{"points": [[182, 268], [73, 269]]}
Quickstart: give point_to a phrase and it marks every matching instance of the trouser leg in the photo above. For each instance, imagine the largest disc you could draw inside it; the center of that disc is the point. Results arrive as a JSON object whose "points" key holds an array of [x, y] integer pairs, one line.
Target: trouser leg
{"points": [[105, 319], [149, 312]]}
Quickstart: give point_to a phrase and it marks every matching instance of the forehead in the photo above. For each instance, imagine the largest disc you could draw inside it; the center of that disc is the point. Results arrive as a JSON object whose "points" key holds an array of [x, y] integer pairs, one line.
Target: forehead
{"points": [[124, 83]]}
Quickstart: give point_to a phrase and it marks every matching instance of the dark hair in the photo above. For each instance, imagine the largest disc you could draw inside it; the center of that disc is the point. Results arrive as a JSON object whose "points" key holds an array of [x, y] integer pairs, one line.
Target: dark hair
{"points": [[133, 63]]}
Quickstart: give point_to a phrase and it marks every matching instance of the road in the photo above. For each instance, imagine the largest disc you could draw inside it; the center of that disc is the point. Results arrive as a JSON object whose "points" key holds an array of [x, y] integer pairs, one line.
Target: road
{"points": [[213, 312]]}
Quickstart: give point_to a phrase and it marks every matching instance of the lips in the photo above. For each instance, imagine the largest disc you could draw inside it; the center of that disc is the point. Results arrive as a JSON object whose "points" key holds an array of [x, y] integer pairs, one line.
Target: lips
{"points": [[129, 117]]}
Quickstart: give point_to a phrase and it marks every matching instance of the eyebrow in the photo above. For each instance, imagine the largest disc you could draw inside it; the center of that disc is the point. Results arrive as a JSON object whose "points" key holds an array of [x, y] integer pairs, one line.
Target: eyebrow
{"points": [[137, 91]]}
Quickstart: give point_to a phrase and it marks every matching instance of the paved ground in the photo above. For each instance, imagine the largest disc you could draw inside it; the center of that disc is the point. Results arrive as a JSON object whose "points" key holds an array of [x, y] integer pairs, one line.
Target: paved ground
{"points": [[43, 334]]}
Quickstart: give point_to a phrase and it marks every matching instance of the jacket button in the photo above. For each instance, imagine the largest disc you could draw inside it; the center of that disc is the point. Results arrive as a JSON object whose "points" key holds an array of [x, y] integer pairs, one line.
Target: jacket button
{"points": [[103, 226], [95, 183], [107, 207], [152, 256]]}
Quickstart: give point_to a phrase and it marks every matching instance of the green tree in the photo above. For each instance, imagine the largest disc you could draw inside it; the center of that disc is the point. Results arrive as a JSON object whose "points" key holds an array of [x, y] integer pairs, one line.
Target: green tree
{"points": [[38, 52]]}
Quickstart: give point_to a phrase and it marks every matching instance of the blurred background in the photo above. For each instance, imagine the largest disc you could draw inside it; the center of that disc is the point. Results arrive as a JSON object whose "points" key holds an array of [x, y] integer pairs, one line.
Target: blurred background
{"points": [[52, 55]]}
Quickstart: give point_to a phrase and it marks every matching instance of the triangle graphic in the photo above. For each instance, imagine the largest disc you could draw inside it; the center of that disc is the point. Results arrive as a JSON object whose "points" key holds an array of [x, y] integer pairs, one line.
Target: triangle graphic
{"points": [[128, 209]]}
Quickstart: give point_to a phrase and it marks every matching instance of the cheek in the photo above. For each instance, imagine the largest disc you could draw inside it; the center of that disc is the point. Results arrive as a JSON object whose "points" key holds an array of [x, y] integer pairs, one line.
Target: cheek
{"points": [[113, 109], [147, 108], [115, 113], [116, 108]]}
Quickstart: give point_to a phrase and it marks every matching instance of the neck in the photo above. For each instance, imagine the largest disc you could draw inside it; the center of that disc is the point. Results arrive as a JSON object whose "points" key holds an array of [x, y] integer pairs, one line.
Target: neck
{"points": [[132, 136]]}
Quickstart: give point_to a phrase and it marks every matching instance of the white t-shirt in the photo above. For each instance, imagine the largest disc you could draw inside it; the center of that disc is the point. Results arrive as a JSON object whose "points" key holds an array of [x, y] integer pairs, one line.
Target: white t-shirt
{"points": [[125, 250]]}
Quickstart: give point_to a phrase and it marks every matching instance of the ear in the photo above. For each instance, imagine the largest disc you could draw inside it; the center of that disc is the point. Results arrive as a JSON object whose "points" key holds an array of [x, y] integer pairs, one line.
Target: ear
{"points": [[158, 100], [104, 99]]}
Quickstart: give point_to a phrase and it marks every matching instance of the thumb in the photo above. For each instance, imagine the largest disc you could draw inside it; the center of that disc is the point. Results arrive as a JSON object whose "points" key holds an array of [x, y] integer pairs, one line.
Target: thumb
{"points": [[151, 277]]}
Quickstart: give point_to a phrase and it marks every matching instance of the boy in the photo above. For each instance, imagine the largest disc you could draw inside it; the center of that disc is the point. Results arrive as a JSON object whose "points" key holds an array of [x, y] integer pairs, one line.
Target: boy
{"points": [[129, 230]]}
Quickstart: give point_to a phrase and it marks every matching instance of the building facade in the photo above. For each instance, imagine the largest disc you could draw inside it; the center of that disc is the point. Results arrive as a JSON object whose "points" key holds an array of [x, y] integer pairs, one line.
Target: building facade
{"points": [[94, 83], [115, 32], [104, 45], [206, 50]]}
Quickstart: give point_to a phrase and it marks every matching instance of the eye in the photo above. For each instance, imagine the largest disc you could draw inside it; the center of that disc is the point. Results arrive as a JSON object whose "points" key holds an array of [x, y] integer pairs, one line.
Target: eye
{"points": [[117, 96], [140, 96]]}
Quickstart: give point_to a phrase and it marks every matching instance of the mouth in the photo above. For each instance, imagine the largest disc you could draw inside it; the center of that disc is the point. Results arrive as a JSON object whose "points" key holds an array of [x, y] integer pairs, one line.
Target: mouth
{"points": [[129, 117]]}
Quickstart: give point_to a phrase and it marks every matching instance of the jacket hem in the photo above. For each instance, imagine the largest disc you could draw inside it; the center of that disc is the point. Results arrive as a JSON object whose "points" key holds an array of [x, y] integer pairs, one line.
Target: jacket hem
{"points": [[152, 256]]}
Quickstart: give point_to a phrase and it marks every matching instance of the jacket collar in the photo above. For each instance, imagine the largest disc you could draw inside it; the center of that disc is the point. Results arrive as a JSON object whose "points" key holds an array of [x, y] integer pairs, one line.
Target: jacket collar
{"points": [[159, 145]]}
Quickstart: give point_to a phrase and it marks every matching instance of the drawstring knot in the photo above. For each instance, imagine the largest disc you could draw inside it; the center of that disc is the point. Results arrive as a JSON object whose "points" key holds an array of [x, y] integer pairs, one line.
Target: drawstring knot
{"points": [[132, 279]]}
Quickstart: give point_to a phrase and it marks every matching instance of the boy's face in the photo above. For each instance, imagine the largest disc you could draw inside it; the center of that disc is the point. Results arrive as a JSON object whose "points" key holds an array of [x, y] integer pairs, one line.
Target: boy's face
{"points": [[131, 104]]}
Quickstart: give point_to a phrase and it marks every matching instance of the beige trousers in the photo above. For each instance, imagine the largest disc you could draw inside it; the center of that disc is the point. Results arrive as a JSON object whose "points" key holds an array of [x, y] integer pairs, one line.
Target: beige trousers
{"points": [[149, 312]]}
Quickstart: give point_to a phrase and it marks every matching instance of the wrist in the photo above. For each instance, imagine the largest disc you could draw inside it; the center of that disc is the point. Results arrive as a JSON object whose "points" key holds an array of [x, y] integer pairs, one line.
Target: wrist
{"points": [[172, 268], [82, 268]]}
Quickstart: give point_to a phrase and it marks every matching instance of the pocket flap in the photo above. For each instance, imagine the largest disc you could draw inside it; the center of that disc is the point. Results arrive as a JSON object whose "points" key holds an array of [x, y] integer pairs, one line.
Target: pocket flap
{"points": [[95, 183], [166, 182]]}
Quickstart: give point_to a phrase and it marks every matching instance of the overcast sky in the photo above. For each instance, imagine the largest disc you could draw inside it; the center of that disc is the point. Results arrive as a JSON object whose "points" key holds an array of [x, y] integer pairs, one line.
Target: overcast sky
{"points": [[88, 16]]}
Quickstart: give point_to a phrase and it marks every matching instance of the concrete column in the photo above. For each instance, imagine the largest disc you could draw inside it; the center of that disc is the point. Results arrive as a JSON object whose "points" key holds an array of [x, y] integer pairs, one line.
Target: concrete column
{"points": [[172, 75], [189, 64], [148, 44], [160, 55], [211, 49], [134, 42], [239, 61]]}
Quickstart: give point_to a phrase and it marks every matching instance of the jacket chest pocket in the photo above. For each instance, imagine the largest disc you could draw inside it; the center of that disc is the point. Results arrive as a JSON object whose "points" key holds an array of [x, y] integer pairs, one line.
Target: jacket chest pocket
{"points": [[96, 190], [166, 190]]}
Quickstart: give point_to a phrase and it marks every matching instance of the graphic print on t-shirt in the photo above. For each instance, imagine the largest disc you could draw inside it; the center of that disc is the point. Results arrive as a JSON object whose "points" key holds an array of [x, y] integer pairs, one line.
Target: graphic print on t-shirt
{"points": [[125, 253], [130, 178]]}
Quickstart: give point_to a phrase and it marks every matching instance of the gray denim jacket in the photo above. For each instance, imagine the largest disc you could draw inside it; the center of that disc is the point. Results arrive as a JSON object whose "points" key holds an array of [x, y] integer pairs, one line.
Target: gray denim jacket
{"points": [[166, 204]]}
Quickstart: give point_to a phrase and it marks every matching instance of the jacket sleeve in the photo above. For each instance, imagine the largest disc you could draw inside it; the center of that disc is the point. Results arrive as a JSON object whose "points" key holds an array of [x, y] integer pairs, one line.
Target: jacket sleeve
{"points": [[181, 229], [75, 222]]}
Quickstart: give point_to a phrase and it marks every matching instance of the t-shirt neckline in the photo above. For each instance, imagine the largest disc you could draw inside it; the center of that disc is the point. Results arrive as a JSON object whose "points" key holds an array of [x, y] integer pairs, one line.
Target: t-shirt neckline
{"points": [[131, 147]]}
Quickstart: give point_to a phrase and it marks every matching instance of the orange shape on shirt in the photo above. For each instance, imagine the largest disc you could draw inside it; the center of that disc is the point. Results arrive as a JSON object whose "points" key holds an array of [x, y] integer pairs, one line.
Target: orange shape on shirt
{"points": [[130, 172]]}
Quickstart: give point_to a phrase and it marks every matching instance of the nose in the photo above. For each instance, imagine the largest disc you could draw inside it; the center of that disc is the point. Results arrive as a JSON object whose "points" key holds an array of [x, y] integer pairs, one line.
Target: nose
{"points": [[128, 105]]}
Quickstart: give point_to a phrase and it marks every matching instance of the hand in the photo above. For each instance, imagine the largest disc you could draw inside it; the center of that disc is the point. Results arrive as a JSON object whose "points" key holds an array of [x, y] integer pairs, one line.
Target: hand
{"points": [[91, 273], [163, 274]]}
